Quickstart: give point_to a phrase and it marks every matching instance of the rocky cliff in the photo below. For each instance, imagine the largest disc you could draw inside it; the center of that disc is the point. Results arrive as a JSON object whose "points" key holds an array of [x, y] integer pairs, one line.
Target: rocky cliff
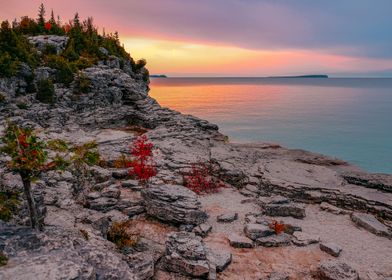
{"points": [[225, 235]]}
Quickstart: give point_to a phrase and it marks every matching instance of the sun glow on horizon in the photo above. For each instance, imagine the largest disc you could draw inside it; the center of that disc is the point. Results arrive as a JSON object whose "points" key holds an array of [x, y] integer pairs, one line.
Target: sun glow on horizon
{"points": [[180, 58]]}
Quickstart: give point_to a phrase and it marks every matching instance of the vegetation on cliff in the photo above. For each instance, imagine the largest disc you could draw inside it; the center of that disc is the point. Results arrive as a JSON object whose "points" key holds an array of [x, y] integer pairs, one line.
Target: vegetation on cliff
{"points": [[85, 46]]}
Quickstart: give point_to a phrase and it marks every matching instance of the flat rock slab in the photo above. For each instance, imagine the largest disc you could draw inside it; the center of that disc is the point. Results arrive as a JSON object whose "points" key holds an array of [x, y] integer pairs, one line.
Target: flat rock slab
{"points": [[304, 239], [173, 203], [334, 270], [276, 240], [238, 241], [331, 248], [255, 231], [333, 209], [370, 223], [285, 210], [227, 218]]}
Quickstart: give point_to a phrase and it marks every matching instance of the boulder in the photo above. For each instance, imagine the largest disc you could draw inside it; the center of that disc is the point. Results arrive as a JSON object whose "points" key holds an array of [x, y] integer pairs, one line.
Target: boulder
{"points": [[331, 248], [370, 223], [276, 240], [202, 230], [334, 270], [42, 41], [227, 218], [304, 239], [284, 210], [112, 191], [238, 241], [103, 204], [186, 254], [173, 203], [255, 231]]}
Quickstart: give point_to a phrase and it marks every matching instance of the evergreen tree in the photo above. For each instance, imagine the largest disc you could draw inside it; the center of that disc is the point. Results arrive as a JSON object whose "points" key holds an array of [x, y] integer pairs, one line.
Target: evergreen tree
{"points": [[41, 16]]}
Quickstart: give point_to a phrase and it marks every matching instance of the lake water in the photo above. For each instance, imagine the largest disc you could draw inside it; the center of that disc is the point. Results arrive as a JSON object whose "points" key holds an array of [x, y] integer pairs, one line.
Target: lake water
{"points": [[343, 117]]}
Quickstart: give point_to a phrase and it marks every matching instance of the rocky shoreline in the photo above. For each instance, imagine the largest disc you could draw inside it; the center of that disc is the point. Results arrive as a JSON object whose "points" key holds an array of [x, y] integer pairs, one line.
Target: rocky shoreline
{"points": [[340, 217]]}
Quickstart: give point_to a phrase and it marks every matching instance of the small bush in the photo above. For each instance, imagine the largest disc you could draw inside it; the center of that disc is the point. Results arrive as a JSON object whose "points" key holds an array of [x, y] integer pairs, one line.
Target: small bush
{"points": [[140, 64], [278, 227], [65, 70], [45, 91], [119, 234], [202, 180], [2, 98], [49, 49], [85, 234], [57, 145], [142, 166], [22, 106], [82, 84], [8, 204], [3, 259], [87, 153]]}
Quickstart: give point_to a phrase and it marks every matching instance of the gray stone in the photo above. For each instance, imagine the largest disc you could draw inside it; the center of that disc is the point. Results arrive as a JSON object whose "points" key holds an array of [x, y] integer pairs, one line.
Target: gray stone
{"points": [[284, 210], [120, 174], [186, 254], [276, 240], [100, 174], [112, 191], [238, 241], [333, 209], [370, 223], [334, 270], [221, 259], [134, 210], [132, 184], [202, 230], [103, 204], [173, 203], [331, 248], [141, 265], [41, 41], [227, 218], [304, 239], [255, 231]]}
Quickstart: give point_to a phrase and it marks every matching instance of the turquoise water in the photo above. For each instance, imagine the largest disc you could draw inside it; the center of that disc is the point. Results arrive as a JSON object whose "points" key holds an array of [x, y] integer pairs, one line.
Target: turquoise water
{"points": [[343, 117]]}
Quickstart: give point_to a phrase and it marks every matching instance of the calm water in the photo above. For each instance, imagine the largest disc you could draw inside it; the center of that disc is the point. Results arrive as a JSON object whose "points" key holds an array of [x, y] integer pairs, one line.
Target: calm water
{"points": [[347, 118]]}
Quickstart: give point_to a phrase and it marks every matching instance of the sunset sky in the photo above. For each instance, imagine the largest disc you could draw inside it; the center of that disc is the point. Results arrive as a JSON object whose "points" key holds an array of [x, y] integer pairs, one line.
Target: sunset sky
{"points": [[241, 37]]}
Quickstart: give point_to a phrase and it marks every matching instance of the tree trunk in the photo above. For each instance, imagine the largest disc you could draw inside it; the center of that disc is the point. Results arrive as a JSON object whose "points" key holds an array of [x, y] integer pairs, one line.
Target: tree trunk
{"points": [[34, 219]]}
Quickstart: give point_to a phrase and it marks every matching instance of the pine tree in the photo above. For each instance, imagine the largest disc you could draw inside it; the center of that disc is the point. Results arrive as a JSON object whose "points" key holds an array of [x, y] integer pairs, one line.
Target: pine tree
{"points": [[52, 19], [41, 15]]}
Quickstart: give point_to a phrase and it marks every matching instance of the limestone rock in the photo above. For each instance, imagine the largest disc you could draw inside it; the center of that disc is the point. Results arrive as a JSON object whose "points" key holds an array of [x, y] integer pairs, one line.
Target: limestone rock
{"points": [[255, 231], [331, 248], [221, 259], [334, 270], [202, 229], [103, 204], [173, 203], [370, 223], [186, 254], [333, 209], [284, 210], [42, 41], [238, 241], [227, 218], [112, 191], [276, 240], [304, 239]]}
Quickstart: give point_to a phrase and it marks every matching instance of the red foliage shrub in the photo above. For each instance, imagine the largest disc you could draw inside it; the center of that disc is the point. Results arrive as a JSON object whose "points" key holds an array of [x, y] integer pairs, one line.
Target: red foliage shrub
{"points": [[277, 227], [48, 26], [143, 165], [200, 180]]}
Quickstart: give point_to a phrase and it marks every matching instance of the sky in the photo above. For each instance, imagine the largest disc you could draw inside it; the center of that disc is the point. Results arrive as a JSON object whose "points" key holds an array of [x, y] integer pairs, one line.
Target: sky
{"points": [[341, 38]]}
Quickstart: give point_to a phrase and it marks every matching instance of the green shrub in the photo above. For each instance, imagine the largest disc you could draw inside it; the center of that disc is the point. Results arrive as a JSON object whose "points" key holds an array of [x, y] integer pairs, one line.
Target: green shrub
{"points": [[140, 64], [45, 91], [65, 70], [2, 98], [8, 66], [58, 145], [8, 204], [22, 106], [49, 49], [82, 84], [3, 259]]}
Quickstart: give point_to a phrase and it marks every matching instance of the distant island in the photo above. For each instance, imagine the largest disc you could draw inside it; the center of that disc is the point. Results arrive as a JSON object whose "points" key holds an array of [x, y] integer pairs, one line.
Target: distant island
{"points": [[158, 76], [301, 76]]}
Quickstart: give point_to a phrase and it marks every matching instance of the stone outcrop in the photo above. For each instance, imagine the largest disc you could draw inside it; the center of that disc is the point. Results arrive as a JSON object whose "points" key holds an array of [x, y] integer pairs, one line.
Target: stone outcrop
{"points": [[174, 204], [42, 41], [187, 254], [331, 248]]}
